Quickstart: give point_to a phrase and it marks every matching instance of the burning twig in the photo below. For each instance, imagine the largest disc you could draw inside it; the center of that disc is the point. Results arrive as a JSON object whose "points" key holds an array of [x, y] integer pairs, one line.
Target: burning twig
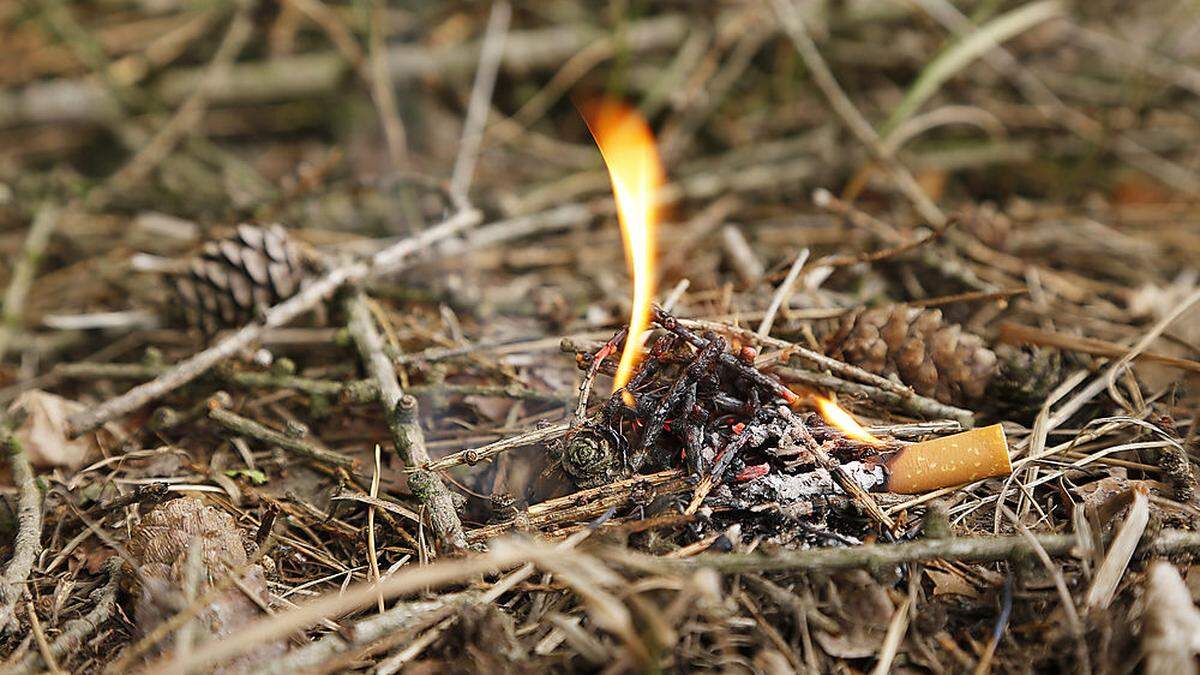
{"points": [[847, 483], [697, 405], [909, 403], [833, 365], [585, 388], [670, 407], [744, 367]]}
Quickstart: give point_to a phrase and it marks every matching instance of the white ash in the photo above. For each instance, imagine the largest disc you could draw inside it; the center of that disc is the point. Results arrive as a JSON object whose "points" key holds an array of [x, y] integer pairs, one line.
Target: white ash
{"points": [[796, 495], [819, 482]]}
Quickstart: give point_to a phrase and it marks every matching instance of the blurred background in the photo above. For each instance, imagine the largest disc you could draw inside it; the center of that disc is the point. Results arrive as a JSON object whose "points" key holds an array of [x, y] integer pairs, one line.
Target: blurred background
{"points": [[169, 118]]}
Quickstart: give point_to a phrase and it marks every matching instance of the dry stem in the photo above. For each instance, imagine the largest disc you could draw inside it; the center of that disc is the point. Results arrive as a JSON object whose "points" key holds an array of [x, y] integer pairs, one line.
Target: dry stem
{"points": [[27, 543], [75, 631], [400, 410], [473, 456], [248, 427], [22, 277], [335, 604], [490, 55], [585, 504], [782, 294], [872, 556], [189, 114], [317, 74], [793, 24], [355, 391]]}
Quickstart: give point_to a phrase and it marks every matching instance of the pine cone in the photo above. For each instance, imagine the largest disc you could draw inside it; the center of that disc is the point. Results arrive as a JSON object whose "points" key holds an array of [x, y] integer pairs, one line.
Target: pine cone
{"points": [[1024, 379], [159, 559], [935, 358], [232, 279], [942, 361]]}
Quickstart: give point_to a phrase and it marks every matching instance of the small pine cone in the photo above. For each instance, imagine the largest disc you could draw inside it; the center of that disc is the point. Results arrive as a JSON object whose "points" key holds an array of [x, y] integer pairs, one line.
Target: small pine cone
{"points": [[935, 358], [1024, 379], [232, 279]]}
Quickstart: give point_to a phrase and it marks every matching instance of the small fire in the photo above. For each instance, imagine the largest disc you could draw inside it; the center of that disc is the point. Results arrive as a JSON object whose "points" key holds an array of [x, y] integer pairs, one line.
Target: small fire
{"points": [[838, 417], [627, 145]]}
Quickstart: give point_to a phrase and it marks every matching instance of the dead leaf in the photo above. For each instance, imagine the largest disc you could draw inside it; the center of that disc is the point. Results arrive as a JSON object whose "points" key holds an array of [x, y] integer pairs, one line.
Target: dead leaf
{"points": [[933, 182], [856, 643], [947, 583], [43, 433], [493, 408], [95, 559], [1112, 492], [1136, 190], [864, 610]]}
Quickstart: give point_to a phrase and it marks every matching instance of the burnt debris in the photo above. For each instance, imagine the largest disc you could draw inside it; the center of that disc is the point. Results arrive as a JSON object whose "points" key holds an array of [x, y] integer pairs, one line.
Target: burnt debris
{"points": [[699, 404]]}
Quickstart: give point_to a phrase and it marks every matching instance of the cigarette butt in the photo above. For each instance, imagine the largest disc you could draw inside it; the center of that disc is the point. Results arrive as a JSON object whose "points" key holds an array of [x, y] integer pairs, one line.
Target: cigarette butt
{"points": [[949, 461]]}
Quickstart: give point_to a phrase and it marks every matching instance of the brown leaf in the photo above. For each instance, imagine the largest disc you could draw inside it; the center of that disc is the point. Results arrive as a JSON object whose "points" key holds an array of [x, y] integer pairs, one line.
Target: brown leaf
{"points": [[95, 559], [946, 583], [864, 610], [43, 433], [492, 408], [1193, 582]]}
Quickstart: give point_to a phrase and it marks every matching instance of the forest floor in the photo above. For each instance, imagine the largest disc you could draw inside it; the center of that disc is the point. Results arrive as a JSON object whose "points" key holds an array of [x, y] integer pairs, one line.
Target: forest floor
{"points": [[384, 436]]}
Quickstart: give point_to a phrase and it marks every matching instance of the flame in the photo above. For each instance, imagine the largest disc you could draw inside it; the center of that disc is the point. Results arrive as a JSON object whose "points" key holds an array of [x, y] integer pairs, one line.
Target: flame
{"points": [[838, 417], [627, 145]]}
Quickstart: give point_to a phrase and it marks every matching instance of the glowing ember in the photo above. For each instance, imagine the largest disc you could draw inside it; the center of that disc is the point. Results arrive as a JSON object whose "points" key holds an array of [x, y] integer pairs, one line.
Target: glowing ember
{"points": [[836, 416], [627, 146]]}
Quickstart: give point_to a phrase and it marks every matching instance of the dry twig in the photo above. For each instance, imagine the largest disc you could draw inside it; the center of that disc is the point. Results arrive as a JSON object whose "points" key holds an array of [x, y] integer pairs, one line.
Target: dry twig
{"points": [[965, 549], [481, 96], [248, 427], [189, 114], [27, 543], [401, 412], [44, 222], [75, 631]]}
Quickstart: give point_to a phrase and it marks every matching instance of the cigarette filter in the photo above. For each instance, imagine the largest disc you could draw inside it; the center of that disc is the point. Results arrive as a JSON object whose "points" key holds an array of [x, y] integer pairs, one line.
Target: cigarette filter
{"points": [[949, 461]]}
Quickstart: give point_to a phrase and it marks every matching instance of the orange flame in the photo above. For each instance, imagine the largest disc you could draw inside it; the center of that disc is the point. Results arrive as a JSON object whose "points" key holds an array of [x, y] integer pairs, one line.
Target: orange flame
{"points": [[838, 417], [627, 145]]}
